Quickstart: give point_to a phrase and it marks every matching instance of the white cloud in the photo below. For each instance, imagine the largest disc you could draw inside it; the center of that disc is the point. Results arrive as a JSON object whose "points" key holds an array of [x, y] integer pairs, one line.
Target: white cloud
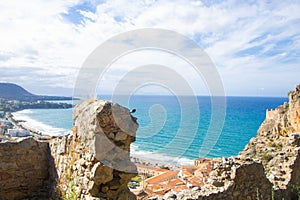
{"points": [[36, 34]]}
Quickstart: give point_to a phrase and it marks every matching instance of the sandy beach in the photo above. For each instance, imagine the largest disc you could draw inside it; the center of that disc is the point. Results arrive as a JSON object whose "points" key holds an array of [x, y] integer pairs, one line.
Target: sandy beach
{"points": [[154, 163], [36, 132]]}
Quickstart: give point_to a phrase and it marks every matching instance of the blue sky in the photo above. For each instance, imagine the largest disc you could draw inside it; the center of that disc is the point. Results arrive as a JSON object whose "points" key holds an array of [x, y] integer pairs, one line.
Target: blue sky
{"points": [[254, 44]]}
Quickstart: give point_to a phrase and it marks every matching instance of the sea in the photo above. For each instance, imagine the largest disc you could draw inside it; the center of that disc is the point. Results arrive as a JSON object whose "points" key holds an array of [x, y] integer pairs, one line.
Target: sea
{"points": [[172, 130]]}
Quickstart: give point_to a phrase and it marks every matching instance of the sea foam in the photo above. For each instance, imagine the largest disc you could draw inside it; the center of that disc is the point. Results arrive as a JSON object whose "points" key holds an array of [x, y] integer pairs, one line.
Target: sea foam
{"points": [[37, 125]]}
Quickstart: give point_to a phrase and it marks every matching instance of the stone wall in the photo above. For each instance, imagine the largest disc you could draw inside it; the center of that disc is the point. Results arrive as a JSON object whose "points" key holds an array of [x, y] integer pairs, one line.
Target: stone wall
{"points": [[285, 119], [234, 178], [94, 163], [24, 169]]}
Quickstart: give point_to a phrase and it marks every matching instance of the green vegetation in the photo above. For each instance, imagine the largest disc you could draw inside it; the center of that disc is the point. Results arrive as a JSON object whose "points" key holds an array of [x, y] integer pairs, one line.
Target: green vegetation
{"points": [[275, 145], [266, 157], [14, 105], [71, 193], [137, 179]]}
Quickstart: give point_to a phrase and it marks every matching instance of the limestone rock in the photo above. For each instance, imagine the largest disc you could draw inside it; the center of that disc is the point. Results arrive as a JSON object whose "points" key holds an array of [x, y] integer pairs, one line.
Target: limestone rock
{"points": [[95, 161], [277, 144]]}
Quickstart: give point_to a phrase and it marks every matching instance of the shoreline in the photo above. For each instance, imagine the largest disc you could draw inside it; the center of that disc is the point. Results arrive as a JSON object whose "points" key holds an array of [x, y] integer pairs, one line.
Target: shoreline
{"points": [[35, 132], [21, 123], [26, 122], [155, 164]]}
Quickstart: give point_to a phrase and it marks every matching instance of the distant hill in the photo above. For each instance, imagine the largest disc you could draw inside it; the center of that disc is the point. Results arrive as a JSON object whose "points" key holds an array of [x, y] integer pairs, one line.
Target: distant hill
{"points": [[13, 91], [10, 90]]}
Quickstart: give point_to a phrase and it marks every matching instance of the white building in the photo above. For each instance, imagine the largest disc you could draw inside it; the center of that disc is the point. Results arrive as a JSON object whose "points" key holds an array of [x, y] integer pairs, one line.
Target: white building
{"points": [[18, 132]]}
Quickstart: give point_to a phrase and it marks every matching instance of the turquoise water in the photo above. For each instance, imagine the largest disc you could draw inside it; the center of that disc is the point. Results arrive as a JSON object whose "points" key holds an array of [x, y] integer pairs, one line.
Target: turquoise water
{"points": [[170, 130]]}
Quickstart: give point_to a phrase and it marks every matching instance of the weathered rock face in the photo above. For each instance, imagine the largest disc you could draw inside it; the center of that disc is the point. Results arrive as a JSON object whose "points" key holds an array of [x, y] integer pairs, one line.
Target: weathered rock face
{"points": [[94, 162], [24, 169], [234, 178], [277, 145], [284, 120]]}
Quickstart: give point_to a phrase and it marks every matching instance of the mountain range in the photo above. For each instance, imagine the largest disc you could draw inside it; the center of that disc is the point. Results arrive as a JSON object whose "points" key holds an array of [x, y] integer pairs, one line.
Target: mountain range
{"points": [[11, 91]]}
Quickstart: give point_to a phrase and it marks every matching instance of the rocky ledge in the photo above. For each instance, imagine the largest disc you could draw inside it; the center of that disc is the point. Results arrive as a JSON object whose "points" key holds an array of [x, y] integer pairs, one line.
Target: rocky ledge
{"points": [[277, 146]]}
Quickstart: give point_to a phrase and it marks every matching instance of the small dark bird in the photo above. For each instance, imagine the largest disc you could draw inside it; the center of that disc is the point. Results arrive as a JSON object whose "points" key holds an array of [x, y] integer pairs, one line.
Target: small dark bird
{"points": [[133, 110]]}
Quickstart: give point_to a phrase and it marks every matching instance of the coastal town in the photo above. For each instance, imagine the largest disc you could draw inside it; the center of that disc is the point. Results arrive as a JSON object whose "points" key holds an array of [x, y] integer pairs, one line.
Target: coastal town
{"points": [[11, 128], [164, 182], [7, 105], [14, 98]]}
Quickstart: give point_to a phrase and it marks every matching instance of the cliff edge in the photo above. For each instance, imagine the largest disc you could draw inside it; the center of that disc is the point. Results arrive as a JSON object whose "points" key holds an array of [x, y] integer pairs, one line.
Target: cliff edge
{"points": [[277, 146]]}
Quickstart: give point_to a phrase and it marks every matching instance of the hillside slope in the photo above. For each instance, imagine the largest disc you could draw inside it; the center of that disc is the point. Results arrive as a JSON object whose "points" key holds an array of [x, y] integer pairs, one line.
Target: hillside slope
{"points": [[11, 91]]}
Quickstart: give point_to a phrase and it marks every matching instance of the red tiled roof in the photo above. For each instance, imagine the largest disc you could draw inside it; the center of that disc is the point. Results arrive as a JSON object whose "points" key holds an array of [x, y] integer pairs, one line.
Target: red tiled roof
{"points": [[175, 182], [161, 177], [186, 174], [195, 181], [180, 188]]}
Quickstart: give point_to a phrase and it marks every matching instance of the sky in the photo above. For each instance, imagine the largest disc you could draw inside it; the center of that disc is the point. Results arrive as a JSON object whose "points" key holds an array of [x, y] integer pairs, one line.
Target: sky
{"points": [[253, 44]]}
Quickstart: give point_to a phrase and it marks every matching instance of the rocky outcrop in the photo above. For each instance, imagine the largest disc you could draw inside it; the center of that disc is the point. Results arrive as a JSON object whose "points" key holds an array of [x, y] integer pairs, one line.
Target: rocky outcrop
{"points": [[94, 162], [277, 146], [24, 169], [233, 178], [284, 120]]}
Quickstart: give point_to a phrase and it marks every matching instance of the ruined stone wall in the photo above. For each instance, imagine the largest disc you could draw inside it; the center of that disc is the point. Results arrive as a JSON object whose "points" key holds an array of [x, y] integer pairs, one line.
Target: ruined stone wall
{"points": [[235, 178], [294, 109], [271, 114], [24, 169], [285, 119], [94, 162]]}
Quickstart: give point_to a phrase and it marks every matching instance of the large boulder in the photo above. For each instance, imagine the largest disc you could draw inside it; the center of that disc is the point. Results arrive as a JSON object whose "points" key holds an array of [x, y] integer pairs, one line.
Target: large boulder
{"points": [[94, 162]]}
